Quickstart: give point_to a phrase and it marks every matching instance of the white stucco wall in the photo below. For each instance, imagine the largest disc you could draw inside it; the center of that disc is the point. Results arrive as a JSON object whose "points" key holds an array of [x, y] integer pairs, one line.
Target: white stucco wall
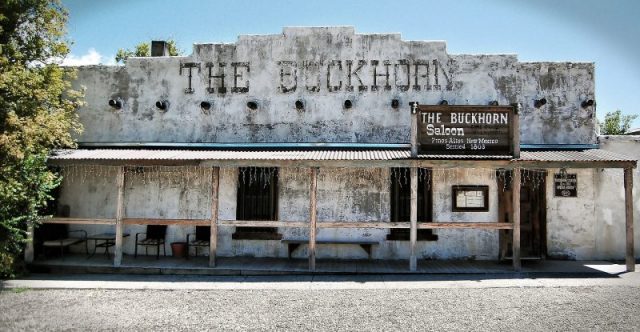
{"points": [[571, 221], [326, 65], [343, 195], [611, 232]]}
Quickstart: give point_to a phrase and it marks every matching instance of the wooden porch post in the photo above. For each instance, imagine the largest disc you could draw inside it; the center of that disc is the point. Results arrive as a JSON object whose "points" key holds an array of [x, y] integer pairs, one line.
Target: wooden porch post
{"points": [[515, 208], [28, 250], [414, 130], [213, 220], [313, 218], [413, 231], [117, 256], [628, 202]]}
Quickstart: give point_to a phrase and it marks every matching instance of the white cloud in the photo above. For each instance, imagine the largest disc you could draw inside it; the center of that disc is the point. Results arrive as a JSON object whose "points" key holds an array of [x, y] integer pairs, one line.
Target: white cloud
{"points": [[91, 58]]}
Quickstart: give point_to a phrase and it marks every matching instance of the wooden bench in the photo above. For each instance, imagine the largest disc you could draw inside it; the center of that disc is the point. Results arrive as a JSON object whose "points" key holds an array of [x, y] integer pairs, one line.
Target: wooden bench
{"points": [[292, 245]]}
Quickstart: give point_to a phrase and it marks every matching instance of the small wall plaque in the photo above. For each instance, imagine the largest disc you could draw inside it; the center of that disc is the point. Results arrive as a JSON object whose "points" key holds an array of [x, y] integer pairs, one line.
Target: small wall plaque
{"points": [[470, 198], [565, 185]]}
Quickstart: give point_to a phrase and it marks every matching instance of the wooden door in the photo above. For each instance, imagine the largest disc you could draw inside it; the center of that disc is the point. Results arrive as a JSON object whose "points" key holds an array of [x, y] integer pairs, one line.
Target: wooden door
{"points": [[532, 216]]}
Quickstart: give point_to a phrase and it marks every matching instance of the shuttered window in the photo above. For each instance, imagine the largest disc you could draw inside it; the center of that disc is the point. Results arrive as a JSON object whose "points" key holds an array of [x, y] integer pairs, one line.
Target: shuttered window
{"points": [[257, 200], [401, 203]]}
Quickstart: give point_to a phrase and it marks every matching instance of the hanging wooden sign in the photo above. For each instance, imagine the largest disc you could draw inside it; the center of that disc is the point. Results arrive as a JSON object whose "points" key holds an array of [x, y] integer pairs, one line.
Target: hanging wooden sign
{"points": [[565, 185], [465, 130]]}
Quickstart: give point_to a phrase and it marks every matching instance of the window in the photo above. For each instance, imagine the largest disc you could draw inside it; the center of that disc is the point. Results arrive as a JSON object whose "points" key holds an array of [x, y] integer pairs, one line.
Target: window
{"points": [[257, 200], [401, 203]]}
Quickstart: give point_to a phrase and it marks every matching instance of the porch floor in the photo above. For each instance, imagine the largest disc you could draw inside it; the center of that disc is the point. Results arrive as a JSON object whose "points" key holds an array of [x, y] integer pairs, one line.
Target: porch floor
{"points": [[272, 266]]}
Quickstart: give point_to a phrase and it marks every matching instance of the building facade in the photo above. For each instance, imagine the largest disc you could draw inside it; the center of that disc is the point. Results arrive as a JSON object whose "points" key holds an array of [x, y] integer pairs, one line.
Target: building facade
{"points": [[326, 135]]}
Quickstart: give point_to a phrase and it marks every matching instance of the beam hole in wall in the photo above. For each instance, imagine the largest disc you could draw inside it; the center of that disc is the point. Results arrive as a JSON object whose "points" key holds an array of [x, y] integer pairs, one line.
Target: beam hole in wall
{"points": [[587, 103], [299, 105], [162, 105], [115, 103], [395, 103], [205, 106], [348, 104], [540, 102], [493, 103], [443, 102], [252, 105]]}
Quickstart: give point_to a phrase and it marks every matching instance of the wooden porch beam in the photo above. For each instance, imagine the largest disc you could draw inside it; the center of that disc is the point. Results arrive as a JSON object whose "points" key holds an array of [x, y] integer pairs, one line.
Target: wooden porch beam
{"points": [[117, 256], [413, 230], [628, 202], [79, 221], [515, 206], [213, 220], [313, 218]]}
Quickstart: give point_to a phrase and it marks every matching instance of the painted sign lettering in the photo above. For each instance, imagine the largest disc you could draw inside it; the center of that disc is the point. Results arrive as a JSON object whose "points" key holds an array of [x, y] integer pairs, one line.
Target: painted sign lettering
{"points": [[565, 185], [315, 76], [454, 130]]}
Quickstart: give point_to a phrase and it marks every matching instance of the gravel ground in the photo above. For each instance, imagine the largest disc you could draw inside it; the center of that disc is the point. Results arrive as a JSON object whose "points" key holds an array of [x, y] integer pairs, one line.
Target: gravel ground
{"points": [[610, 308]]}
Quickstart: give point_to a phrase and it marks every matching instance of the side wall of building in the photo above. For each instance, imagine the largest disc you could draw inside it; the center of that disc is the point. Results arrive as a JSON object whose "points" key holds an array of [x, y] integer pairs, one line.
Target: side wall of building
{"points": [[610, 210]]}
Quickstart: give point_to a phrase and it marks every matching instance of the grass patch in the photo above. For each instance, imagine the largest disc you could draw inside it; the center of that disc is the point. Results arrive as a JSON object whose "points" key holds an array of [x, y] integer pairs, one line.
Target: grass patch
{"points": [[19, 290]]}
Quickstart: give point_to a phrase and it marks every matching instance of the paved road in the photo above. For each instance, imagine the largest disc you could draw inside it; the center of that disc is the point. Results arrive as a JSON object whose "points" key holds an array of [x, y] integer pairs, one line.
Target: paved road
{"points": [[480, 302]]}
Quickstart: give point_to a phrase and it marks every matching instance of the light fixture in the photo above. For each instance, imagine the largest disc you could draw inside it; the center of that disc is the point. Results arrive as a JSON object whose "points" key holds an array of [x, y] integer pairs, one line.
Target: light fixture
{"points": [[563, 173], [587, 103], [162, 104], [414, 107], [443, 102], [115, 103], [493, 103], [539, 102]]}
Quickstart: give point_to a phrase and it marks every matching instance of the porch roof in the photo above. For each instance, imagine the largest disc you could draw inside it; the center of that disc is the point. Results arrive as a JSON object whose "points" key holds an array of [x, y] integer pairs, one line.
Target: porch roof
{"points": [[593, 158]]}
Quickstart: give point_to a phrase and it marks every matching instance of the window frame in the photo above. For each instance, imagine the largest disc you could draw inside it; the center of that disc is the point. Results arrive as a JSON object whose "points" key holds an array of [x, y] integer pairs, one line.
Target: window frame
{"points": [[425, 205], [463, 188], [243, 212]]}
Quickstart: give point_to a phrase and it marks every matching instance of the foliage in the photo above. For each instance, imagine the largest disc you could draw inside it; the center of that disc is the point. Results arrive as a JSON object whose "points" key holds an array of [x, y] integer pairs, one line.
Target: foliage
{"points": [[37, 114], [144, 50], [616, 124]]}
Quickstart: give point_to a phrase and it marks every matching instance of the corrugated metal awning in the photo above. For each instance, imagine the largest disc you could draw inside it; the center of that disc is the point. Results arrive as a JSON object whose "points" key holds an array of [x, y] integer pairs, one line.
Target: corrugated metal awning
{"points": [[594, 158], [575, 156], [139, 154]]}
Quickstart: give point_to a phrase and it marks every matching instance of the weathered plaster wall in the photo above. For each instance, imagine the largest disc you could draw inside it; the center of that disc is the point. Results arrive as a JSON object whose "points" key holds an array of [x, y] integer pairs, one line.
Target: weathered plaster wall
{"points": [[571, 221], [89, 196], [343, 195], [323, 67], [611, 231]]}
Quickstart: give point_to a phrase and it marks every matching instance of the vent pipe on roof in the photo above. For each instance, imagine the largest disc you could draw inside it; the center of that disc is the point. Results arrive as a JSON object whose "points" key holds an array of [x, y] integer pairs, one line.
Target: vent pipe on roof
{"points": [[159, 48]]}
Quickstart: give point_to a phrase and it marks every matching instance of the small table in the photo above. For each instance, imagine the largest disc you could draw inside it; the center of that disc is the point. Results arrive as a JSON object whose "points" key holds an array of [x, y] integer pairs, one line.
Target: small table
{"points": [[109, 241]]}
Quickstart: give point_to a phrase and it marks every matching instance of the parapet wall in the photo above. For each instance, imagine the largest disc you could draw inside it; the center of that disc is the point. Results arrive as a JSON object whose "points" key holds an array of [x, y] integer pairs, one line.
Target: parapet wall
{"points": [[299, 82]]}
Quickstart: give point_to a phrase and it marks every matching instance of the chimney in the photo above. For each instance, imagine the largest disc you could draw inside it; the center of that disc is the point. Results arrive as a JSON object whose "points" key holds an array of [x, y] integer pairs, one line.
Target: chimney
{"points": [[159, 48]]}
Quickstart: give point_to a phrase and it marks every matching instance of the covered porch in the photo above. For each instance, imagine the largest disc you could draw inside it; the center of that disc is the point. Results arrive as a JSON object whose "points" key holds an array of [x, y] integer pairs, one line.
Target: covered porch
{"points": [[123, 165]]}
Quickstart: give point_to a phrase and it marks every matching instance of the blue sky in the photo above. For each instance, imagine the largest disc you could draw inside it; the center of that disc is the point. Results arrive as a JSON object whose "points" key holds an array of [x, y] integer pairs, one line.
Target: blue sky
{"points": [[606, 32]]}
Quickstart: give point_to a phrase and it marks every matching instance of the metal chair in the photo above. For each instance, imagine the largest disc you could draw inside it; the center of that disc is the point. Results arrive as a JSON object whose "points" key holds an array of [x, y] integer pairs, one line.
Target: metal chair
{"points": [[57, 236], [155, 235], [202, 238]]}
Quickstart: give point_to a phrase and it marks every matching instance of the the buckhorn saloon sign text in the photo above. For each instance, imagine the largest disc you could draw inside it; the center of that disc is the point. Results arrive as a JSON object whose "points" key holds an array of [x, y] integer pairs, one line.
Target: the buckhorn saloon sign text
{"points": [[459, 130]]}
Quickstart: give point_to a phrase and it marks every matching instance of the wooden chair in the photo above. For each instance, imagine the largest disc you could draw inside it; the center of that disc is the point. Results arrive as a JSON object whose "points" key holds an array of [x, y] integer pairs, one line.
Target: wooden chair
{"points": [[58, 236], [155, 235], [202, 238]]}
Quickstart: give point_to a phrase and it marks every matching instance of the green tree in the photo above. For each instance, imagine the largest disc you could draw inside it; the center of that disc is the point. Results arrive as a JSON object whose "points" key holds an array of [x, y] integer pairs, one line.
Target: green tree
{"points": [[37, 114], [616, 124], [144, 50]]}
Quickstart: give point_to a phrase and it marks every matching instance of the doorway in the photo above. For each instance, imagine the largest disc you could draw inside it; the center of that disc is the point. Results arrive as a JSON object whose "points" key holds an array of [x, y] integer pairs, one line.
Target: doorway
{"points": [[533, 214]]}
